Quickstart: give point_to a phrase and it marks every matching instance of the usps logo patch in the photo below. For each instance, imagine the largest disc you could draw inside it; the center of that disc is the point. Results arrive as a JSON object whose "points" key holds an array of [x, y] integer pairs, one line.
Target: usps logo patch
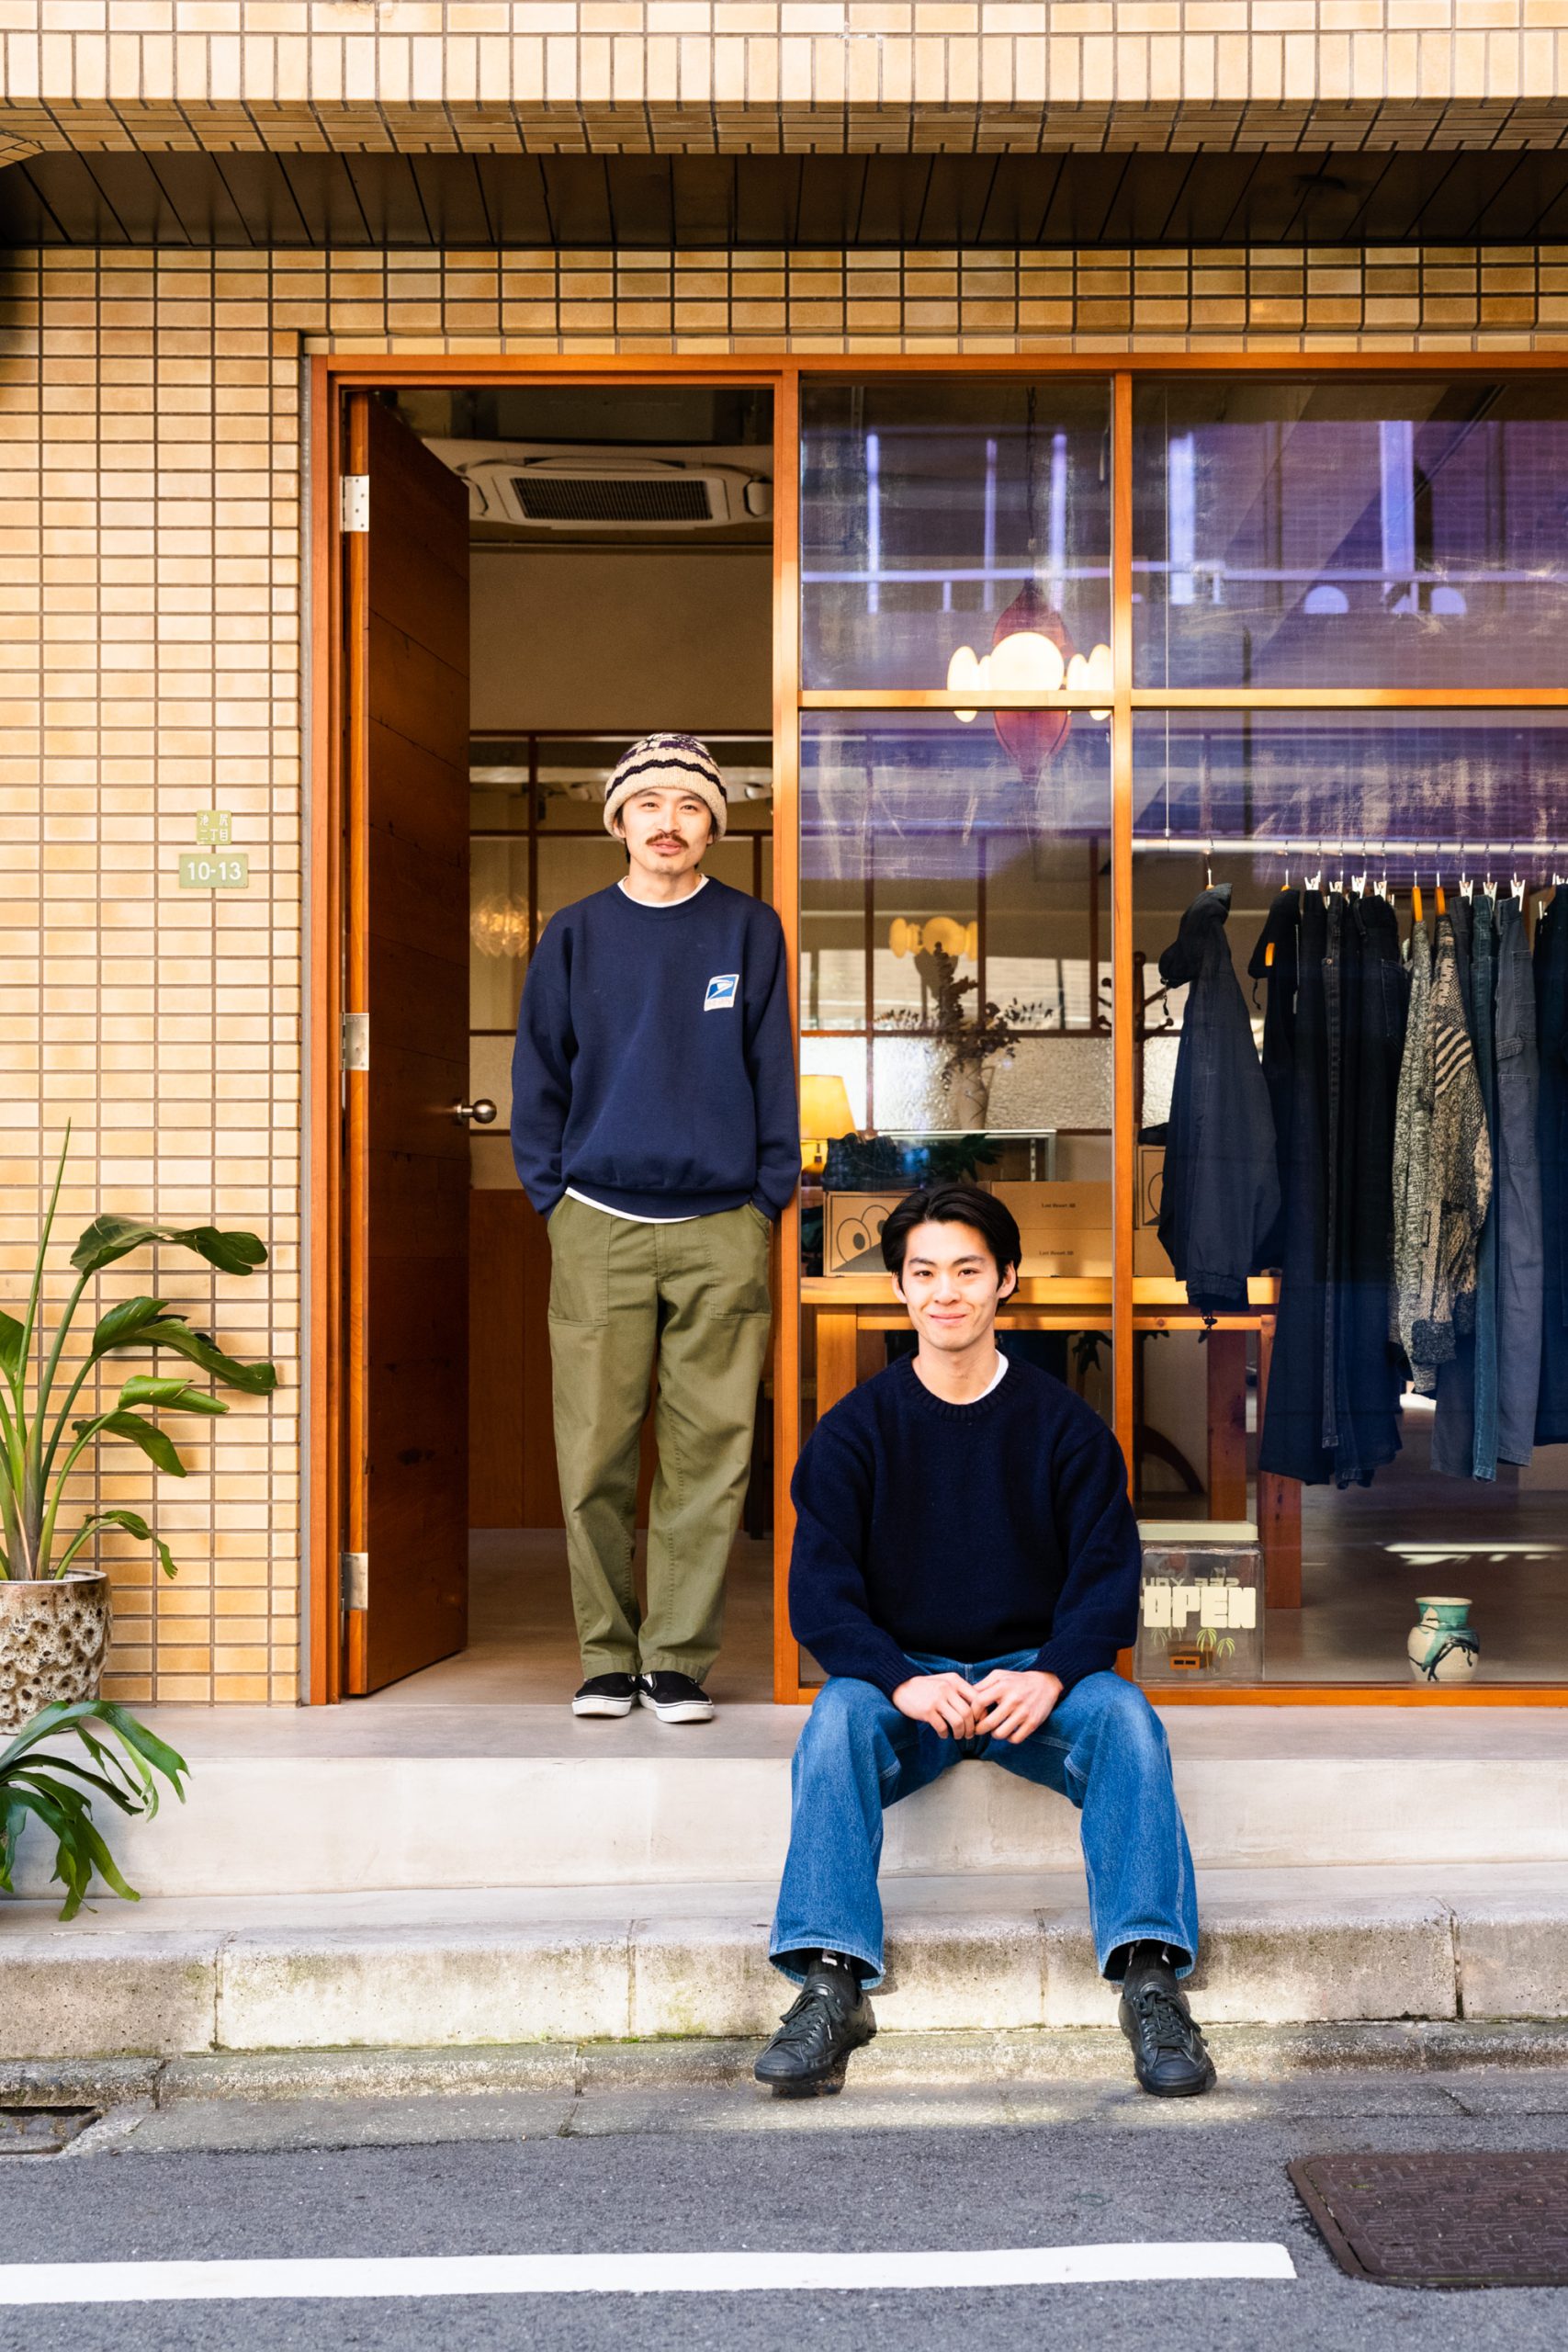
{"points": [[720, 997]]}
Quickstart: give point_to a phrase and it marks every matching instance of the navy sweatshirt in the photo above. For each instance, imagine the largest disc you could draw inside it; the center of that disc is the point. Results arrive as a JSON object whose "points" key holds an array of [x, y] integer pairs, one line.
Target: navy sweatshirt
{"points": [[653, 1069], [962, 1530]]}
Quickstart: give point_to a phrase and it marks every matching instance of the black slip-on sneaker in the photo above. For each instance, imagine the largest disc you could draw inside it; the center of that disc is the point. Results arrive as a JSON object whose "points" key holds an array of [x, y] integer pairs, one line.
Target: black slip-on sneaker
{"points": [[606, 1694], [831, 2019], [1171, 2057], [674, 1698]]}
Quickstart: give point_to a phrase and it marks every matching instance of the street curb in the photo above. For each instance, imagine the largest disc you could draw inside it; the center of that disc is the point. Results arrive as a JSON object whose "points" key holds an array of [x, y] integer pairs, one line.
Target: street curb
{"points": [[1083, 2054]]}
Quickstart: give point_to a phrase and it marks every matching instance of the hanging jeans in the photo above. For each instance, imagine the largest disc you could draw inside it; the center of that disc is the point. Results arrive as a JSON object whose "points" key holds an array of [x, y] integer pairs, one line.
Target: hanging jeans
{"points": [[1551, 1130], [1366, 1367], [1464, 1429], [1518, 1193], [1332, 1411], [1101, 1747]]}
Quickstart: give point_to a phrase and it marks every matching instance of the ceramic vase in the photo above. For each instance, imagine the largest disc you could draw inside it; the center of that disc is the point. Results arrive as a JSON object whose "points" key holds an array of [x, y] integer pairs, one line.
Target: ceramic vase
{"points": [[969, 1095], [53, 1635], [1442, 1647]]}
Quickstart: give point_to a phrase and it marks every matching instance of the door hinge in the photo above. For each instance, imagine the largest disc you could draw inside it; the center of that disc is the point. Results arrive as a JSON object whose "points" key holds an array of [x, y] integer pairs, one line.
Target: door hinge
{"points": [[354, 1578], [353, 509], [356, 1041]]}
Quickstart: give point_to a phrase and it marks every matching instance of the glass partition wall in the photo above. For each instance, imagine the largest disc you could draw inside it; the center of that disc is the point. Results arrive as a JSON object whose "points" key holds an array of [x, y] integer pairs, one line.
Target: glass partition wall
{"points": [[1258, 673]]}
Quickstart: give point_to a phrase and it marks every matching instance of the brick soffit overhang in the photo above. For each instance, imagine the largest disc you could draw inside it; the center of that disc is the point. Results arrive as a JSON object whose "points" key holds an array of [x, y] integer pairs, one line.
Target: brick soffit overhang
{"points": [[783, 76]]}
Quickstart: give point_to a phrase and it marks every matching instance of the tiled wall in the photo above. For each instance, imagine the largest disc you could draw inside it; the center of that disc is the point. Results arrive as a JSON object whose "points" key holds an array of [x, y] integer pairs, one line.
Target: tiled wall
{"points": [[150, 586], [694, 75]]}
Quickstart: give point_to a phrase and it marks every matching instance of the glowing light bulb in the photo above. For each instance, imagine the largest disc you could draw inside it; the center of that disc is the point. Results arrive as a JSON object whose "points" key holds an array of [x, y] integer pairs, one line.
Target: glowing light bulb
{"points": [[1087, 671], [966, 670], [1026, 662]]}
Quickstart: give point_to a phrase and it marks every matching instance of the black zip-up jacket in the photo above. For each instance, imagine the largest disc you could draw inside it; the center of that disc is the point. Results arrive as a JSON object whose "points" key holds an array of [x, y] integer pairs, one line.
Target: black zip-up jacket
{"points": [[1220, 1203]]}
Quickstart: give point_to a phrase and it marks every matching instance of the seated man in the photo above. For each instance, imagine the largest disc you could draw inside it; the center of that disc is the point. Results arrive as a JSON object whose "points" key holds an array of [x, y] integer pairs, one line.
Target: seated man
{"points": [[966, 1567]]}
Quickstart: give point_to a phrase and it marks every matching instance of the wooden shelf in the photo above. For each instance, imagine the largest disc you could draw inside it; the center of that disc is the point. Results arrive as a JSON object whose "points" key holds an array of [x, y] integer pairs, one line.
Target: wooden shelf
{"points": [[1035, 1290]]}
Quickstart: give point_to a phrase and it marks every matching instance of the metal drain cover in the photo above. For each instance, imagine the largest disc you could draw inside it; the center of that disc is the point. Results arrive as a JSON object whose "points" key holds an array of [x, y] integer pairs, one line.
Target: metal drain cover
{"points": [[1442, 2220], [41, 2130]]}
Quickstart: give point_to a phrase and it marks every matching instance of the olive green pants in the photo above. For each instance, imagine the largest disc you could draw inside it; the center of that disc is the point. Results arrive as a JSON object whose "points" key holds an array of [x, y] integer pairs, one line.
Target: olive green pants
{"points": [[695, 1295]]}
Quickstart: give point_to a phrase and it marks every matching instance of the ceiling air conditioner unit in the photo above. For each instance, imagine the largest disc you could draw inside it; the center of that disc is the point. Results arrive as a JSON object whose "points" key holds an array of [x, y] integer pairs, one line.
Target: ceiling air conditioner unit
{"points": [[563, 489]]}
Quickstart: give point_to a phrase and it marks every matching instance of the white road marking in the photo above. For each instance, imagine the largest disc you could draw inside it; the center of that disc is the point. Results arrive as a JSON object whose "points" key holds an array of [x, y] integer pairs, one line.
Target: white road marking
{"points": [[628, 2274]]}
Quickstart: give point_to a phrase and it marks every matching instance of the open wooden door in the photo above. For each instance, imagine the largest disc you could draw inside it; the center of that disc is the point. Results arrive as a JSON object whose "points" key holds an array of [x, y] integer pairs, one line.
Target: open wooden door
{"points": [[406, 1054]]}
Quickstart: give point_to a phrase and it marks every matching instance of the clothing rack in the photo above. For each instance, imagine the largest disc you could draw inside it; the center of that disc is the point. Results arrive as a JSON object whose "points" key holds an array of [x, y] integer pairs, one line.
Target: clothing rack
{"points": [[1274, 847]]}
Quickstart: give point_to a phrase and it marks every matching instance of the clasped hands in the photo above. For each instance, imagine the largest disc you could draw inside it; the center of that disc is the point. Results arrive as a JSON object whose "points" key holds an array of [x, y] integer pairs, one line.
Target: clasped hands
{"points": [[1008, 1704]]}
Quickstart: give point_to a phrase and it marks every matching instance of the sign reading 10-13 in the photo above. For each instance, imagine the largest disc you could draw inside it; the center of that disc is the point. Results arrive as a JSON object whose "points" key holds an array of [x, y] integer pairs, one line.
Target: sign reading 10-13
{"points": [[214, 867]]}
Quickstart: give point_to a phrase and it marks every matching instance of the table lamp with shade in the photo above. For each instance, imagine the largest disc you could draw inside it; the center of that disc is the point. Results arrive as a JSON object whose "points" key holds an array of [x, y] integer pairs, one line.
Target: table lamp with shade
{"points": [[825, 1113]]}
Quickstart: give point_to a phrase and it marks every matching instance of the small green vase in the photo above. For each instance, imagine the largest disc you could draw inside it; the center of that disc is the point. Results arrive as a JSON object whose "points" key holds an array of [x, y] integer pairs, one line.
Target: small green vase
{"points": [[1442, 1647]]}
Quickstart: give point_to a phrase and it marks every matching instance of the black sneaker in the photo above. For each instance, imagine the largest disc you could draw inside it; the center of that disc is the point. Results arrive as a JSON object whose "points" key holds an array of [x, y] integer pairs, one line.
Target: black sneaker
{"points": [[606, 1694], [807, 2057], [674, 1698], [1170, 2058]]}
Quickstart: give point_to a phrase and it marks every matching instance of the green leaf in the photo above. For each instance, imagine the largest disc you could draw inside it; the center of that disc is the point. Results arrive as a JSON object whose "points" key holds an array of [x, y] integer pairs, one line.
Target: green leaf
{"points": [[124, 1323], [169, 1392], [110, 1237], [144, 1743], [158, 1448], [74, 1838], [58, 1792], [256, 1379], [37, 1775], [133, 1525], [157, 1328], [13, 1336]]}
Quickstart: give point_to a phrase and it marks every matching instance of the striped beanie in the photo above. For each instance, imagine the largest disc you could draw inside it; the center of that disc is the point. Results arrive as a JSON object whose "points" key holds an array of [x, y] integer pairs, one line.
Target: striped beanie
{"points": [[662, 760]]}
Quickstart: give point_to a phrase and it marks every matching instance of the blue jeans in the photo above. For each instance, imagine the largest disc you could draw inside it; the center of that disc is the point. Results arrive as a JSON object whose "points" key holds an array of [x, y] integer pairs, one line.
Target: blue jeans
{"points": [[1103, 1746]]}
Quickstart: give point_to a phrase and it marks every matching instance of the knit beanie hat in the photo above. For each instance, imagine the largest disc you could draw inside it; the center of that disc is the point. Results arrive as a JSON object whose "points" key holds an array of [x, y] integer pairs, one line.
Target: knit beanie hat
{"points": [[664, 759]]}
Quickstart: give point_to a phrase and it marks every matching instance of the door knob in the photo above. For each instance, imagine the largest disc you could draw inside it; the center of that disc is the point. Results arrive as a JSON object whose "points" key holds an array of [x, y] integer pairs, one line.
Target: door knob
{"points": [[482, 1113]]}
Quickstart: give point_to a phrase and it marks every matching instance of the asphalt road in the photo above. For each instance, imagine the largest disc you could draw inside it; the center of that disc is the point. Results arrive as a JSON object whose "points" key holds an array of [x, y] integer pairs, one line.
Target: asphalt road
{"points": [[725, 2170]]}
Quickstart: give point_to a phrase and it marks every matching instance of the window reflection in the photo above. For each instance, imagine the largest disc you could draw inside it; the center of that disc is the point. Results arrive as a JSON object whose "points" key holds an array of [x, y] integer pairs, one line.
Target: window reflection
{"points": [[931, 510], [954, 950], [1350, 533]]}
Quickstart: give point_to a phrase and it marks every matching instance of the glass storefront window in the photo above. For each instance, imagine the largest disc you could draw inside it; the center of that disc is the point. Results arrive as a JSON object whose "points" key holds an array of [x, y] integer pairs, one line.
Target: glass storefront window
{"points": [[1371, 1490], [1362, 569], [927, 509], [1324, 532], [946, 904]]}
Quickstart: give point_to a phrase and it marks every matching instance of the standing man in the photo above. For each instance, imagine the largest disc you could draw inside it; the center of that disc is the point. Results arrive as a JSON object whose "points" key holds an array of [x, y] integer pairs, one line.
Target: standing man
{"points": [[966, 1568], [654, 1124]]}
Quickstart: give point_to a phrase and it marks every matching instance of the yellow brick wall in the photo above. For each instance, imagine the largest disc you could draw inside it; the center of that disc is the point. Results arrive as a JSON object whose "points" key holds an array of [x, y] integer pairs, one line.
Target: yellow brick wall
{"points": [[690, 76], [150, 585]]}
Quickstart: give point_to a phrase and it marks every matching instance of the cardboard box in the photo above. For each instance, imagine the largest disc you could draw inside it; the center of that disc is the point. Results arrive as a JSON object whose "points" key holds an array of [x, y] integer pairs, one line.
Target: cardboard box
{"points": [[851, 1231], [1066, 1227], [1149, 1255]]}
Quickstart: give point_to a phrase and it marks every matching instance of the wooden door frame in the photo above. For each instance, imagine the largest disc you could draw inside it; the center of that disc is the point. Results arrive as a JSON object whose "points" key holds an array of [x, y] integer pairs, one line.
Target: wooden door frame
{"points": [[333, 375]]}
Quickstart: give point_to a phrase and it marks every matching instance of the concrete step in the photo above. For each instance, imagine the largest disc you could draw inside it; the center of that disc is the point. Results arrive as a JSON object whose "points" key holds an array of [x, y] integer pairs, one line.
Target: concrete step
{"points": [[373, 1795], [967, 1954]]}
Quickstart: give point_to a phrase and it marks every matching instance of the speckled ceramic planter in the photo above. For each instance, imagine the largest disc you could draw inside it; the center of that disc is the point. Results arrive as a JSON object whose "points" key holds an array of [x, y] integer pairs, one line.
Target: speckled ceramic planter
{"points": [[53, 1635]]}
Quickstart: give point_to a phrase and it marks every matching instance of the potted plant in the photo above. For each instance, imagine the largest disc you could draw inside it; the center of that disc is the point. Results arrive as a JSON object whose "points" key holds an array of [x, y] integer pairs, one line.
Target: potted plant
{"points": [[56, 1793], [54, 1610], [969, 1045]]}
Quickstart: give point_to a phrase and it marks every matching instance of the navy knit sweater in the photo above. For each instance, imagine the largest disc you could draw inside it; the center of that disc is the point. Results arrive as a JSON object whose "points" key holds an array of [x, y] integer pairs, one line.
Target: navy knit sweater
{"points": [[962, 1530], [653, 1069]]}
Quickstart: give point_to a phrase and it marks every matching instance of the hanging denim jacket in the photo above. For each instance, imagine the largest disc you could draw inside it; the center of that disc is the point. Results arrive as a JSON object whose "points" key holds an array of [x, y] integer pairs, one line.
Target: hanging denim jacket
{"points": [[1221, 1197]]}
